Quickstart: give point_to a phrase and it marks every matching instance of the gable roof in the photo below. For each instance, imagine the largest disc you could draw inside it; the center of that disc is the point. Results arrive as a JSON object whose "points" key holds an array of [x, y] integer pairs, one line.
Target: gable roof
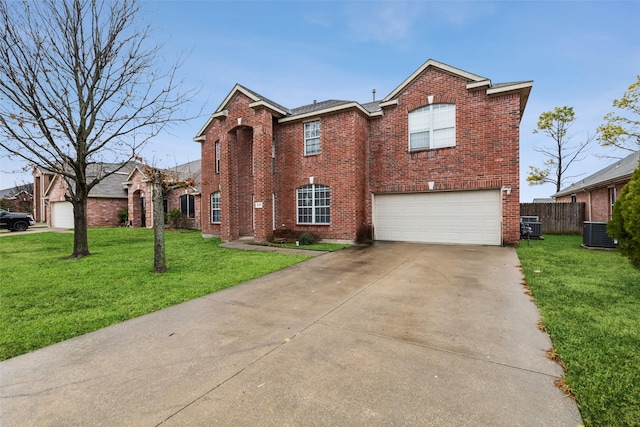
{"points": [[12, 193], [619, 171], [185, 171], [370, 109], [110, 187]]}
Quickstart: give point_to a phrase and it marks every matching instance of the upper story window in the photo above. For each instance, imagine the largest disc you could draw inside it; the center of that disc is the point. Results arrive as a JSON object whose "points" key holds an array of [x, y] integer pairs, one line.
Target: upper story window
{"points": [[313, 204], [312, 137], [188, 205], [432, 126], [215, 207], [217, 145]]}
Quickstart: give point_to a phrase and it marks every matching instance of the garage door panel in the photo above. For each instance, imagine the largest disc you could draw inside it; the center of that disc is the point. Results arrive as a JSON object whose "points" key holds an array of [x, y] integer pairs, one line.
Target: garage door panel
{"points": [[462, 217], [62, 215]]}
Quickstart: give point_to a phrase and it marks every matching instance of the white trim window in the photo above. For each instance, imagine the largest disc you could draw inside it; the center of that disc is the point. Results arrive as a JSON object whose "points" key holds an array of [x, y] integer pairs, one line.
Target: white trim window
{"points": [[312, 138], [217, 145], [215, 207], [313, 203], [432, 126]]}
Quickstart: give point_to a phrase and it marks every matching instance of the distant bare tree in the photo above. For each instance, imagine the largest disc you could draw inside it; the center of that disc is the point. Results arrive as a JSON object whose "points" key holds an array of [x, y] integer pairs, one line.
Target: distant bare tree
{"points": [[561, 153], [81, 83]]}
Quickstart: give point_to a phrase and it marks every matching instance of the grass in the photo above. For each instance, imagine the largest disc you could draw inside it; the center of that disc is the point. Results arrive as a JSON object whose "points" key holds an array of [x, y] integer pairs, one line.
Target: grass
{"points": [[590, 303], [45, 298]]}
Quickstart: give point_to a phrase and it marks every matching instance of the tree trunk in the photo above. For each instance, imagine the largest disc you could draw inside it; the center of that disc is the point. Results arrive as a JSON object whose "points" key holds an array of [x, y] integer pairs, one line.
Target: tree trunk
{"points": [[159, 259], [80, 238]]}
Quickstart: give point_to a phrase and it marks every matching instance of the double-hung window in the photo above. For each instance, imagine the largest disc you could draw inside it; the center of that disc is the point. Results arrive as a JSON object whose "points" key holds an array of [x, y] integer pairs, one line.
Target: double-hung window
{"points": [[432, 126], [314, 204], [215, 207], [312, 138], [188, 206]]}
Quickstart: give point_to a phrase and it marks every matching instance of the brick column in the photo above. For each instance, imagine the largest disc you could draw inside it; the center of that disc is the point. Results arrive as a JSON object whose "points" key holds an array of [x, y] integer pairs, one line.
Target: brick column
{"points": [[263, 176]]}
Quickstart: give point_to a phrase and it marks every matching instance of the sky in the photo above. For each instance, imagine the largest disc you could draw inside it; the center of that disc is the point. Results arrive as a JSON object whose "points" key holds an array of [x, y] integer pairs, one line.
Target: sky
{"points": [[582, 54]]}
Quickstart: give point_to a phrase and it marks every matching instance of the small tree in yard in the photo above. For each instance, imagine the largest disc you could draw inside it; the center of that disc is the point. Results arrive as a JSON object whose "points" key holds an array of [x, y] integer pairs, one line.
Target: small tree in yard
{"points": [[622, 129], [625, 221], [80, 85], [556, 124]]}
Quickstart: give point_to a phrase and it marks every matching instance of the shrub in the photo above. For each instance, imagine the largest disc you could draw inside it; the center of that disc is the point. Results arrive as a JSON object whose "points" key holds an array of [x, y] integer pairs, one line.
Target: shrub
{"points": [[306, 238], [123, 216], [625, 220], [174, 216]]}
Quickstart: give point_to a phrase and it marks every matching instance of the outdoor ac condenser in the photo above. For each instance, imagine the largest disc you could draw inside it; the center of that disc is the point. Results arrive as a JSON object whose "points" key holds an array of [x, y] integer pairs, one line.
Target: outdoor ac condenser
{"points": [[594, 234]]}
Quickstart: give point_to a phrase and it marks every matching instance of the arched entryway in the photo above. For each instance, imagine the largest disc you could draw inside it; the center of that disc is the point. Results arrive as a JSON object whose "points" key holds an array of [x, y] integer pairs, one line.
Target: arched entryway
{"points": [[138, 211]]}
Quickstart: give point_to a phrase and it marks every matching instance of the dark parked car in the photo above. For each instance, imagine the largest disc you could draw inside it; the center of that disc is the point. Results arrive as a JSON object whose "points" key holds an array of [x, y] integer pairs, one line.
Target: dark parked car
{"points": [[15, 221]]}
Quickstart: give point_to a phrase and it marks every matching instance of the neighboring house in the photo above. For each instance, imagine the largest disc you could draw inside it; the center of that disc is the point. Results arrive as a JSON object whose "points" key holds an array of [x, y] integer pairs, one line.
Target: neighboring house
{"points": [[126, 188], [600, 190], [17, 199], [436, 160], [183, 182], [105, 200]]}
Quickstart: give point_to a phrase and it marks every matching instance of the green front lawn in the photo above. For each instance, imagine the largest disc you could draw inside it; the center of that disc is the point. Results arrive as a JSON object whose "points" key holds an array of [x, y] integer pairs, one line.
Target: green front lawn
{"points": [[45, 298], [590, 304]]}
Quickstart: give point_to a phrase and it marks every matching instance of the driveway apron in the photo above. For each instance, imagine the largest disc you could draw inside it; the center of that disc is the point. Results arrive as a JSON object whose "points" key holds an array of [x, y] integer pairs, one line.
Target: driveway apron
{"points": [[390, 334]]}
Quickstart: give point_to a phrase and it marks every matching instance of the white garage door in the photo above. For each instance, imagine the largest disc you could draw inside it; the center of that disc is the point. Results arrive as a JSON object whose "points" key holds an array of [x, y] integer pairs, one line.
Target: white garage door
{"points": [[62, 215], [459, 217]]}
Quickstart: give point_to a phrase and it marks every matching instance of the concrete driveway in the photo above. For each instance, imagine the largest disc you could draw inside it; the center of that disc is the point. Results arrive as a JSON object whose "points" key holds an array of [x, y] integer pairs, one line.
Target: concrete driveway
{"points": [[392, 334]]}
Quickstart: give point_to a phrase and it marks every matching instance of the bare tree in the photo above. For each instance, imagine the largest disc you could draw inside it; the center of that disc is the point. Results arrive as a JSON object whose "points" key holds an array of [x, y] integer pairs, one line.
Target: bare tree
{"points": [[80, 84], [159, 258], [561, 154]]}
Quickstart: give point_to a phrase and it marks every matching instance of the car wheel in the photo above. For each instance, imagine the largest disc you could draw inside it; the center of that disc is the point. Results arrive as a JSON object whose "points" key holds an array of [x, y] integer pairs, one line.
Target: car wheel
{"points": [[20, 226]]}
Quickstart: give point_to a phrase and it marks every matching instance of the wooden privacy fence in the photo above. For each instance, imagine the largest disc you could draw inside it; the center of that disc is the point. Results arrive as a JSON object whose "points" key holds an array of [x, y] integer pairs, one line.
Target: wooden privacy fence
{"points": [[556, 218]]}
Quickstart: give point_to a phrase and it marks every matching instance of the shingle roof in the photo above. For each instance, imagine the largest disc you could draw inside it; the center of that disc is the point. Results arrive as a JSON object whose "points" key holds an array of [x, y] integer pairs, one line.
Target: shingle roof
{"points": [[186, 171], [10, 193], [113, 185], [317, 106], [619, 171]]}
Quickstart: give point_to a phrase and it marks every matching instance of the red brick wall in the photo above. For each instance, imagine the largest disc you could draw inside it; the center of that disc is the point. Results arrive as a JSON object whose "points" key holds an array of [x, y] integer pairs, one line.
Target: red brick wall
{"points": [[486, 154], [340, 165], [596, 202], [104, 212]]}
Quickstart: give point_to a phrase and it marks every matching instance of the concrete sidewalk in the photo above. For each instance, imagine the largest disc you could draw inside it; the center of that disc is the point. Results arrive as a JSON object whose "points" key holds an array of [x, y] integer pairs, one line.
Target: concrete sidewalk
{"points": [[392, 334]]}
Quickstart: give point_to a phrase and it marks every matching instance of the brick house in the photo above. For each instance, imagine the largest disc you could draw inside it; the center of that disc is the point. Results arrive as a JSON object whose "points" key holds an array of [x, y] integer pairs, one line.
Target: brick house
{"points": [[126, 188], [17, 199], [436, 160], [184, 194], [105, 200], [600, 190]]}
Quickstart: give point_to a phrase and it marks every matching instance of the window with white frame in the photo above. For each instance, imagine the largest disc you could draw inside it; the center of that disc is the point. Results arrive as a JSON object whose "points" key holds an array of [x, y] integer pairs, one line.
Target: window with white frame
{"points": [[314, 204], [188, 206], [432, 126], [217, 145], [312, 137], [215, 207]]}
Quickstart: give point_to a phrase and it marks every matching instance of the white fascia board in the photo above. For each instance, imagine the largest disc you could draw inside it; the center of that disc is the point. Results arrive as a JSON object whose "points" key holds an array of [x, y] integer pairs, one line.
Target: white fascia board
{"points": [[200, 136], [388, 103], [475, 85], [262, 103], [326, 111], [432, 63], [510, 88]]}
